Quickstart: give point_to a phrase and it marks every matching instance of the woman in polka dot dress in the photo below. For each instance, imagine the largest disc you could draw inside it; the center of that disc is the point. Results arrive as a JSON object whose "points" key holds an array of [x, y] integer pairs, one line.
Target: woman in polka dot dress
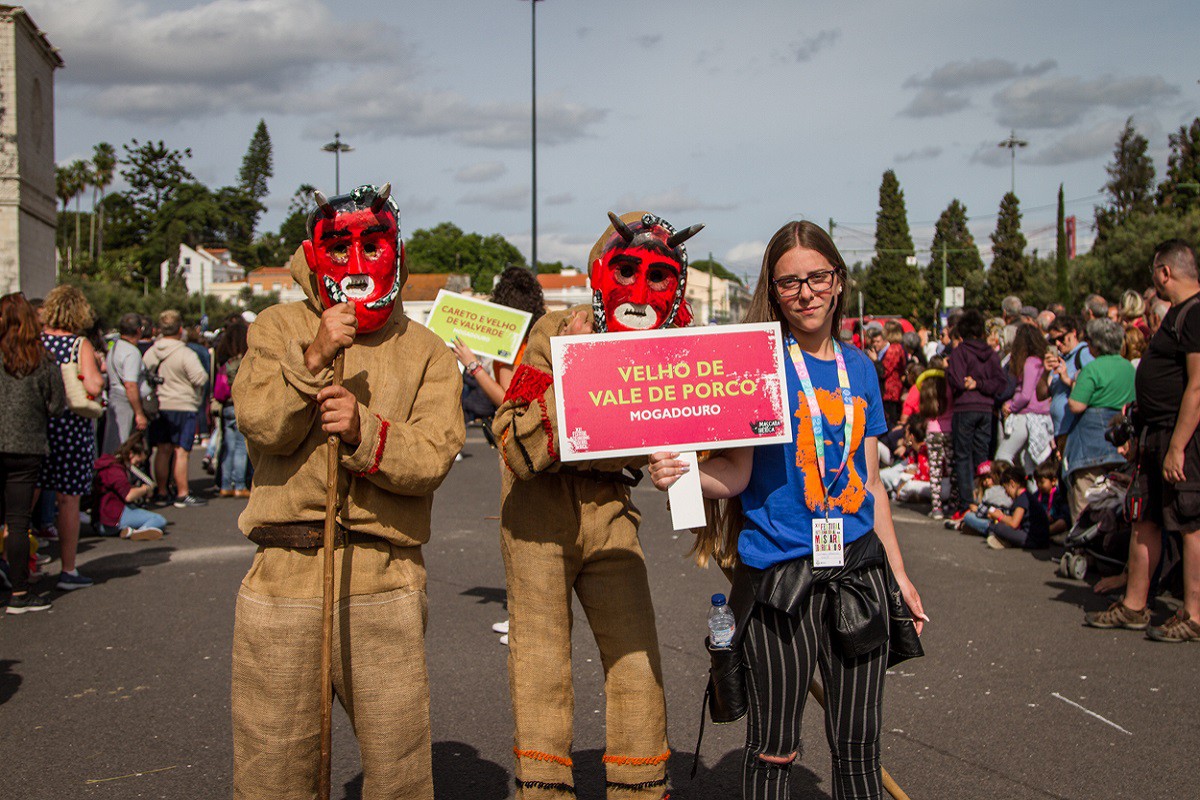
{"points": [[67, 469]]}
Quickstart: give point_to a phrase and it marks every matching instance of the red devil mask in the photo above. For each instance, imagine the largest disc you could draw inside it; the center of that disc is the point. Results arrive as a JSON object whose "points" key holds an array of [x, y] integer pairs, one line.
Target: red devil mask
{"points": [[639, 274], [354, 249]]}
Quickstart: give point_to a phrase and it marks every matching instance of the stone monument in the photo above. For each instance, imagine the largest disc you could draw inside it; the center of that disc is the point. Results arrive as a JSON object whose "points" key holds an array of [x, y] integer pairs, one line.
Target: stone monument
{"points": [[27, 197]]}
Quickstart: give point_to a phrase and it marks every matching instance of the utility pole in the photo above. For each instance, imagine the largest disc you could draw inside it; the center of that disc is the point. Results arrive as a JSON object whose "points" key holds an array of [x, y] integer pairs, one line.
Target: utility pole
{"points": [[711, 270], [1012, 143], [533, 262]]}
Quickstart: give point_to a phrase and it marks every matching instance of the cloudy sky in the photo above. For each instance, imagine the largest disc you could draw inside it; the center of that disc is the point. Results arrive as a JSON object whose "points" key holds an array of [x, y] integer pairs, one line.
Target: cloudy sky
{"points": [[739, 115]]}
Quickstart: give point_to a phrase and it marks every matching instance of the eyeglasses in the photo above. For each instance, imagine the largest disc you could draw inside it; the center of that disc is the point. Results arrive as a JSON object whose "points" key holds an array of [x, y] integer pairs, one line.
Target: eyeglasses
{"points": [[818, 283]]}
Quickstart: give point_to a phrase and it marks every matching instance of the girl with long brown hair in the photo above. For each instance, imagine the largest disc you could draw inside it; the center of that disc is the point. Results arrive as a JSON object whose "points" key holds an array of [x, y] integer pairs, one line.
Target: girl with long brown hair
{"points": [[808, 517], [1026, 431], [31, 390]]}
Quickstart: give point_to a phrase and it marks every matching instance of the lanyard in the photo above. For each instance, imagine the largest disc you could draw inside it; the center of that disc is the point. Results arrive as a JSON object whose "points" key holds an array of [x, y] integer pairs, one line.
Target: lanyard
{"points": [[814, 409]]}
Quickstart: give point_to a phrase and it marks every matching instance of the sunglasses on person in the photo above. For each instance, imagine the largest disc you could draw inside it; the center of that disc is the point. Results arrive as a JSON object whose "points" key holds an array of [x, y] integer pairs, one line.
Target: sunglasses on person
{"points": [[818, 283]]}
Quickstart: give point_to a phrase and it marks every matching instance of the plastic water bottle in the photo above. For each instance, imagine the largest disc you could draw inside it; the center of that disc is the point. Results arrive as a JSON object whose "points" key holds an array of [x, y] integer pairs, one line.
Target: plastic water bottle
{"points": [[720, 623]]}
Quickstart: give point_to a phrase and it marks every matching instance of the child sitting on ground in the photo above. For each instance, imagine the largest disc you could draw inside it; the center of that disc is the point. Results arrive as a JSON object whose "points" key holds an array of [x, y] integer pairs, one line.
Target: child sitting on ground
{"points": [[1053, 497], [116, 492], [988, 494], [908, 480], [1026, 524]]}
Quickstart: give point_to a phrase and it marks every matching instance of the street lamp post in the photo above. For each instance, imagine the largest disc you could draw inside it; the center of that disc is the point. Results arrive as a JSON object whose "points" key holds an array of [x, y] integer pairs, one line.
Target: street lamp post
{"points": [[1012, 143], [337, 147], [533, 118]]}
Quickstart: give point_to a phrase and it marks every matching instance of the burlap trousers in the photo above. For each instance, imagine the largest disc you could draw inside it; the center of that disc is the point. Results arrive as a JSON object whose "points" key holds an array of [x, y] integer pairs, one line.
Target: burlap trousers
{"points": [[378, 672], [601, 560]]}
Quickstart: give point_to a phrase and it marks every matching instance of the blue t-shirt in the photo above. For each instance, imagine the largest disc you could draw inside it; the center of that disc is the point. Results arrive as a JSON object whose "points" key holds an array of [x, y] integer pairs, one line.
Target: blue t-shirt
{"points": [[784, 494]]}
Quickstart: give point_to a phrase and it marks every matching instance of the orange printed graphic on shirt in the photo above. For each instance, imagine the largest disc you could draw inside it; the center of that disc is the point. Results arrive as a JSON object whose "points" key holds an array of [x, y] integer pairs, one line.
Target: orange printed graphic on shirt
{"points": [[850, 499]]}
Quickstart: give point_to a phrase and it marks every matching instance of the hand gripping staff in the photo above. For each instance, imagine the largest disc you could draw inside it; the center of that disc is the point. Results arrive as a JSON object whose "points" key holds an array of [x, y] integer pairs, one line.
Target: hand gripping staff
{"points": [[333, 449]]}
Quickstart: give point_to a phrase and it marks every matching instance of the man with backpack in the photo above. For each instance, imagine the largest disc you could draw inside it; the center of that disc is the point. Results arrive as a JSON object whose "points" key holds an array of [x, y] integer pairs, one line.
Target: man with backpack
{"points": [[174, 430], [127, 385], [1165, 494]]}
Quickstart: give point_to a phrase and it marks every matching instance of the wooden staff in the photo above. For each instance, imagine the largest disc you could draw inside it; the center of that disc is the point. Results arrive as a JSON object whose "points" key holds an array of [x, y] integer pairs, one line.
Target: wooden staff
{"points": [[818, 693], [331, 502]]}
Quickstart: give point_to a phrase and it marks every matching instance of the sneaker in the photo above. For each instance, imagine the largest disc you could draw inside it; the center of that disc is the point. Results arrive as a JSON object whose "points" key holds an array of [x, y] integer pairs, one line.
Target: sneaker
{"points": [[937, 515], [501, 627], [26, 603], [48, 534], [43, 559], [996, 543], [189, 501], [144, 535], [1179, 628], [241, 492], [69, 583], [953, 524], [1118, 616], [159, 501], [226, 493], [208, 466], [504, 640]]}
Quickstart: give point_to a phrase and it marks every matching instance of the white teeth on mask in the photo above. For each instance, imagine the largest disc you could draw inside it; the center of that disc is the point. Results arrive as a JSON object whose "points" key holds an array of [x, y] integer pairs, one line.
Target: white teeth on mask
{"points": [[637, 317], [333, 290], [358, 286], [389, 298]]}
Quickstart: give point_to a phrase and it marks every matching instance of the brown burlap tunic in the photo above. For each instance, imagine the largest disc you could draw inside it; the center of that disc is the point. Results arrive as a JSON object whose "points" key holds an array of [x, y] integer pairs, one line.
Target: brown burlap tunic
{"points": [[561, 533], [408, 387]]}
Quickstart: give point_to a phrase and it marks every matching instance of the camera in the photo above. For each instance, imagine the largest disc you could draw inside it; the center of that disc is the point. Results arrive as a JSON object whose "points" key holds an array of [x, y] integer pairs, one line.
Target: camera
{"points": [[1120, 431]]}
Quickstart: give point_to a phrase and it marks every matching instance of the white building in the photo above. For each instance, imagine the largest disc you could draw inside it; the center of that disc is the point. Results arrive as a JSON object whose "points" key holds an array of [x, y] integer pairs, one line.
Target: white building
{"points": [[565, 289], [27, 197], [202, 267], [715, 300]]}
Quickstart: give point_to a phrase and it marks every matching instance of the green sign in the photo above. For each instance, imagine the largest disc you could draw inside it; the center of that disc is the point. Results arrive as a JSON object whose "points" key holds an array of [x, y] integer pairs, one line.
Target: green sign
{"points": [[490, 330]]}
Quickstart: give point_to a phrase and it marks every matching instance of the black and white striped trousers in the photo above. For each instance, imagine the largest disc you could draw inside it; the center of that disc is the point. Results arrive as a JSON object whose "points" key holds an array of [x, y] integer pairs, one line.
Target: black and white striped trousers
{"points": [[781, 653]]}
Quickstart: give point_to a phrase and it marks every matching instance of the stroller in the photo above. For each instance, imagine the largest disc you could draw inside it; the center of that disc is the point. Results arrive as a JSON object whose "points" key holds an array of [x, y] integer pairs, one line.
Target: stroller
{"points": [[1100, 538]]}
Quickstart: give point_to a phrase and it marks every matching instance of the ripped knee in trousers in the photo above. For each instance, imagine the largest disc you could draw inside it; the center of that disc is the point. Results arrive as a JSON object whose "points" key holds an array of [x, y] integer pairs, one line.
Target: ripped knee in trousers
{"points": [[772, 761]]}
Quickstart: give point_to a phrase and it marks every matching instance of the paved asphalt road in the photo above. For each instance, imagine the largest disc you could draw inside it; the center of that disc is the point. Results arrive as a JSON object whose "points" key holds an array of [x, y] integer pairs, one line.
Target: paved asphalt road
{"points": [[122, 690]]}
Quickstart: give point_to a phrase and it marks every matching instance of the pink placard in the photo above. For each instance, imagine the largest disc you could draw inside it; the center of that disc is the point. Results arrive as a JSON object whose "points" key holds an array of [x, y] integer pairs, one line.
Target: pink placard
{"points": [[624, 394]]}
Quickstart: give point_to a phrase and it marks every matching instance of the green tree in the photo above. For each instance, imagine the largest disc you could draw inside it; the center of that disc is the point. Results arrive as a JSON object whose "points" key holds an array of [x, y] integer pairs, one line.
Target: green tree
{"points": [[1122, 261], [193, 215], [892, 287], [154, 173], [714, 267], [1007, 273], [1181, 190], [104, 163], [964, 266], [64, 190], [446, 248], [245, 201], [1130, 186], [1062, 283]]}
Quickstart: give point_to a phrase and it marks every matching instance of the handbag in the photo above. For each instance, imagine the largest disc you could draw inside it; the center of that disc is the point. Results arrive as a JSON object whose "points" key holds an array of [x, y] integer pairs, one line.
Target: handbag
{"points": [[78, 400]]}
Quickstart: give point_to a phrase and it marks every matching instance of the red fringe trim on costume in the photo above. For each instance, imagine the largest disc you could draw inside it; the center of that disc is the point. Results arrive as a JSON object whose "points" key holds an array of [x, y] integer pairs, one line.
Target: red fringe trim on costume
{"points": [[547, 426], [538, 755], [528, 384], [383, 432], [638, 762]]}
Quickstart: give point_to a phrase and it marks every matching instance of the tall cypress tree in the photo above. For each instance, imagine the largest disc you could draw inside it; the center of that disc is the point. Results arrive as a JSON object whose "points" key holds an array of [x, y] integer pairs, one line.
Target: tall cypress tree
{"points": [[1130, 186], [1007, 273], [964, 266], [257, 167], [1181, 190], [893, 287], [1063, 282]]}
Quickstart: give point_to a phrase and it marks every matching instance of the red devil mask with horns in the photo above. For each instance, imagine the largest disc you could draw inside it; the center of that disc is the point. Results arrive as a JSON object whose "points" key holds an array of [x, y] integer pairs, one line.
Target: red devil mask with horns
{"points": [[639, 274], [354, 249]]}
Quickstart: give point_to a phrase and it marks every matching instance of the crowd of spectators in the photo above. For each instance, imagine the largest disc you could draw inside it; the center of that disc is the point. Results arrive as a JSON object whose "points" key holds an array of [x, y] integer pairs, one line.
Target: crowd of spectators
{"points": [[102, 460]]}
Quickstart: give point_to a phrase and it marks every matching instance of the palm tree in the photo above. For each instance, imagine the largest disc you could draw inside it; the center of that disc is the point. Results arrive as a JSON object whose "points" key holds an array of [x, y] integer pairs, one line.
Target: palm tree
{"points": [[64, 190], [104, 160], [81, 178]]}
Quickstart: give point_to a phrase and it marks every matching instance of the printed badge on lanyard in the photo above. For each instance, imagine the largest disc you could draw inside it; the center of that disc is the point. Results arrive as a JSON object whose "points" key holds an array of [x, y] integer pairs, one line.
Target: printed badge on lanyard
{"points": [[828, 534]]}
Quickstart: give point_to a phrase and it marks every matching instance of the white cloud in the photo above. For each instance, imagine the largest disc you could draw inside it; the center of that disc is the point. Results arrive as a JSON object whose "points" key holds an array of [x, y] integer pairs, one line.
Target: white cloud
{"points": [[481, 172], [1061, 102], [921, 154], [511, 199], [809, 46], [1088, 144], [934, 103], [746, 255], [977, 72], [672, 201]]}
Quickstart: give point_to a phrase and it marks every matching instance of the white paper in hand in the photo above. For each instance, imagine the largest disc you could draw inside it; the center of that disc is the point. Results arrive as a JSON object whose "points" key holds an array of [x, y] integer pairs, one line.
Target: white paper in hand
{"points": [[687, 501]]}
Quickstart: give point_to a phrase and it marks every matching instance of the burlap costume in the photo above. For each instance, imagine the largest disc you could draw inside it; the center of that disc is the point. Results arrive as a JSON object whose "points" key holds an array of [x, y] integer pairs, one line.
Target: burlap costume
{"points": [[408, 387], [574, 528]]}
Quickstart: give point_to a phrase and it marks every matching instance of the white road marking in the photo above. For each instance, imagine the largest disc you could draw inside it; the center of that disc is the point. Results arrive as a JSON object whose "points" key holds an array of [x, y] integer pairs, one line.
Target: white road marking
{"points": [[1091, 713]]}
